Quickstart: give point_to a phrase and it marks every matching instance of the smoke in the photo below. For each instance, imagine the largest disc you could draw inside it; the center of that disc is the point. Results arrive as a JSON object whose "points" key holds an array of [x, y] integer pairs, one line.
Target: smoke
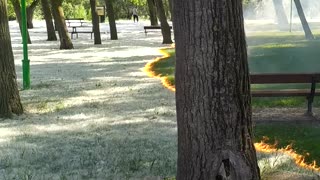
{"points": [[266, 9]]}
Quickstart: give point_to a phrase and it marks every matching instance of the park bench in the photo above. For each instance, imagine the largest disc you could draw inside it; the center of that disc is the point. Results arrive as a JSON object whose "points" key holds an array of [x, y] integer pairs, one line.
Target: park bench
{"points": [[76, 21], [152, 27], [311, 79], [75, 30]]}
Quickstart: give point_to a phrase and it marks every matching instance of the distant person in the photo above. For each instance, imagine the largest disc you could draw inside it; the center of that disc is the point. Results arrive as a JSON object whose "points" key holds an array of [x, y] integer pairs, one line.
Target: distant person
{"points": [[135, 14]]}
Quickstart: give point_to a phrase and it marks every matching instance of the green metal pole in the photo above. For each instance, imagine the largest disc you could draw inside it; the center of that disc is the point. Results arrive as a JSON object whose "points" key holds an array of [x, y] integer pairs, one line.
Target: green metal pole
{"points": [[25, 61]]}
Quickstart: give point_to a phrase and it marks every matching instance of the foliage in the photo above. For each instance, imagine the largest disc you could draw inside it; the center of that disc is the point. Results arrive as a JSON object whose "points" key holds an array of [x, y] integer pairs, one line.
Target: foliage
{"points": [[11, 14]]}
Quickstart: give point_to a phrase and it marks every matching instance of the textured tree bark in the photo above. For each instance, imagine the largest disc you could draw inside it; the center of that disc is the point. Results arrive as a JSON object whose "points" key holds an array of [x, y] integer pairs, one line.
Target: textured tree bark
{"points": [[282, 19], [9, 93], [17, 10], [49, 23], [165, 28], [65, 41], [152, 12], [305, 25], [112, 20], [30, 12], [95, 22], [213, 99]]}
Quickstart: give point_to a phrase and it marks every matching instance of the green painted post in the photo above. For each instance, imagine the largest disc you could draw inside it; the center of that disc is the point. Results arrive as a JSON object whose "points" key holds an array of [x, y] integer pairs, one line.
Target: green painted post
{"points": [[25, 61]]}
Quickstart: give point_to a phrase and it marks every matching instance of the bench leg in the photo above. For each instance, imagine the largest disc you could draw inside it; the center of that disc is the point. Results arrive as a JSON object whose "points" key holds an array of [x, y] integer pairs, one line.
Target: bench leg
{"points": [[309, 110], [310, 98]]}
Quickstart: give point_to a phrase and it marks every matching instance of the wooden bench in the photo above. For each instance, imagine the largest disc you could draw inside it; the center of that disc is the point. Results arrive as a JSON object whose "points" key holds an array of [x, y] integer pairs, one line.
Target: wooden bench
{"points": [[75, 21], [311, 79], [76, 32], [152, 27]]}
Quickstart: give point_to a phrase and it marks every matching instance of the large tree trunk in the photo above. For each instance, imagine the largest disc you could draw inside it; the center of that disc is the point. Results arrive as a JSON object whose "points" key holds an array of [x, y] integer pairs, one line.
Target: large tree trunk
{"points": [[305, 25], [152, 12], [9, 93], [30, 12], [95, 22], [165, 28], [65, 41], [282, 19], [213, 99], [112, 20], [49, 23], [17, 10]]}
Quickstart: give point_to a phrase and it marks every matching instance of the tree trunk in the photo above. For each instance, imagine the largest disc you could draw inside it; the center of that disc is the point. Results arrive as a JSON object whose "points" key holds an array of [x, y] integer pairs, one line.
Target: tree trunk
{"points": [[152, 13], [9, 98], [165, 28], [49, 23], [166, 8], [112, 20], [30, 12], [65, 41], [282, 19], [305, 25], [95, 22], [170, 9], [213, 99], [17, 10]]}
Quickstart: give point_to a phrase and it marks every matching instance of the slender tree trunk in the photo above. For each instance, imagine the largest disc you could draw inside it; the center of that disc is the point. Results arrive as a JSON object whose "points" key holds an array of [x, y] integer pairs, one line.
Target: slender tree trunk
{"points": [[65, 41], [9, 93], [30, 12], [165, 28], [213, 99], [112, 20], [152, 12], [166, 8], [305, 25], [282, 19], [95, 22], [171, 9], [49, 23], [17, 10]]}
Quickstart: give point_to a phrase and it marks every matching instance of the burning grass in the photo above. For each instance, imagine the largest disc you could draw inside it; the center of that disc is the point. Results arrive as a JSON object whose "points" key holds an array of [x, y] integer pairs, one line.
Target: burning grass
{"points": [[268, 53], [298, 142]]}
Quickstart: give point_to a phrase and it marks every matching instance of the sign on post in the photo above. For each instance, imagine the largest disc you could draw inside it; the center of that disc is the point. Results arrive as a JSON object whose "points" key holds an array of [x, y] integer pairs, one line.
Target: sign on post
{"points": [[101, 12]]}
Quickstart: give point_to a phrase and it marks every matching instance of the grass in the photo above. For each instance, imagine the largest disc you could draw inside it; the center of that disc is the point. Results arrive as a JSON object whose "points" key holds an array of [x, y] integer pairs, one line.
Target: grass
{"points": [[304, 138], [277, 53], [280, 52]]}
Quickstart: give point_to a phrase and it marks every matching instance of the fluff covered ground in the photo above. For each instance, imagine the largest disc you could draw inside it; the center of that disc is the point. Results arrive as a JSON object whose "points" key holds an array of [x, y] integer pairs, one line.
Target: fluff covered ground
{"points": [[92, 113]]}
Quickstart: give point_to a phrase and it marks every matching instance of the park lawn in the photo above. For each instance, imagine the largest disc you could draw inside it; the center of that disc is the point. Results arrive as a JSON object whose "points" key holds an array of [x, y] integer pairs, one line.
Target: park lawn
{"points": [[276, 53], [280, 52], [304, 138]]}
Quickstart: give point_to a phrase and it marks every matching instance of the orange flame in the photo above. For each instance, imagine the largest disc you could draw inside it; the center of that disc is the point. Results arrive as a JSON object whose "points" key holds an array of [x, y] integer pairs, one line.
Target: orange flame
{"points": [[262, 146], [299, 159], [148, 69]]}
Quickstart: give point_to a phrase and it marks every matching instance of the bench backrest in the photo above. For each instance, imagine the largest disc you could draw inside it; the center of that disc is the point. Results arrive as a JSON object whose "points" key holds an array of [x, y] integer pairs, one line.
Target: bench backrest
{"points": [[284, 78], [74, 19]]}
